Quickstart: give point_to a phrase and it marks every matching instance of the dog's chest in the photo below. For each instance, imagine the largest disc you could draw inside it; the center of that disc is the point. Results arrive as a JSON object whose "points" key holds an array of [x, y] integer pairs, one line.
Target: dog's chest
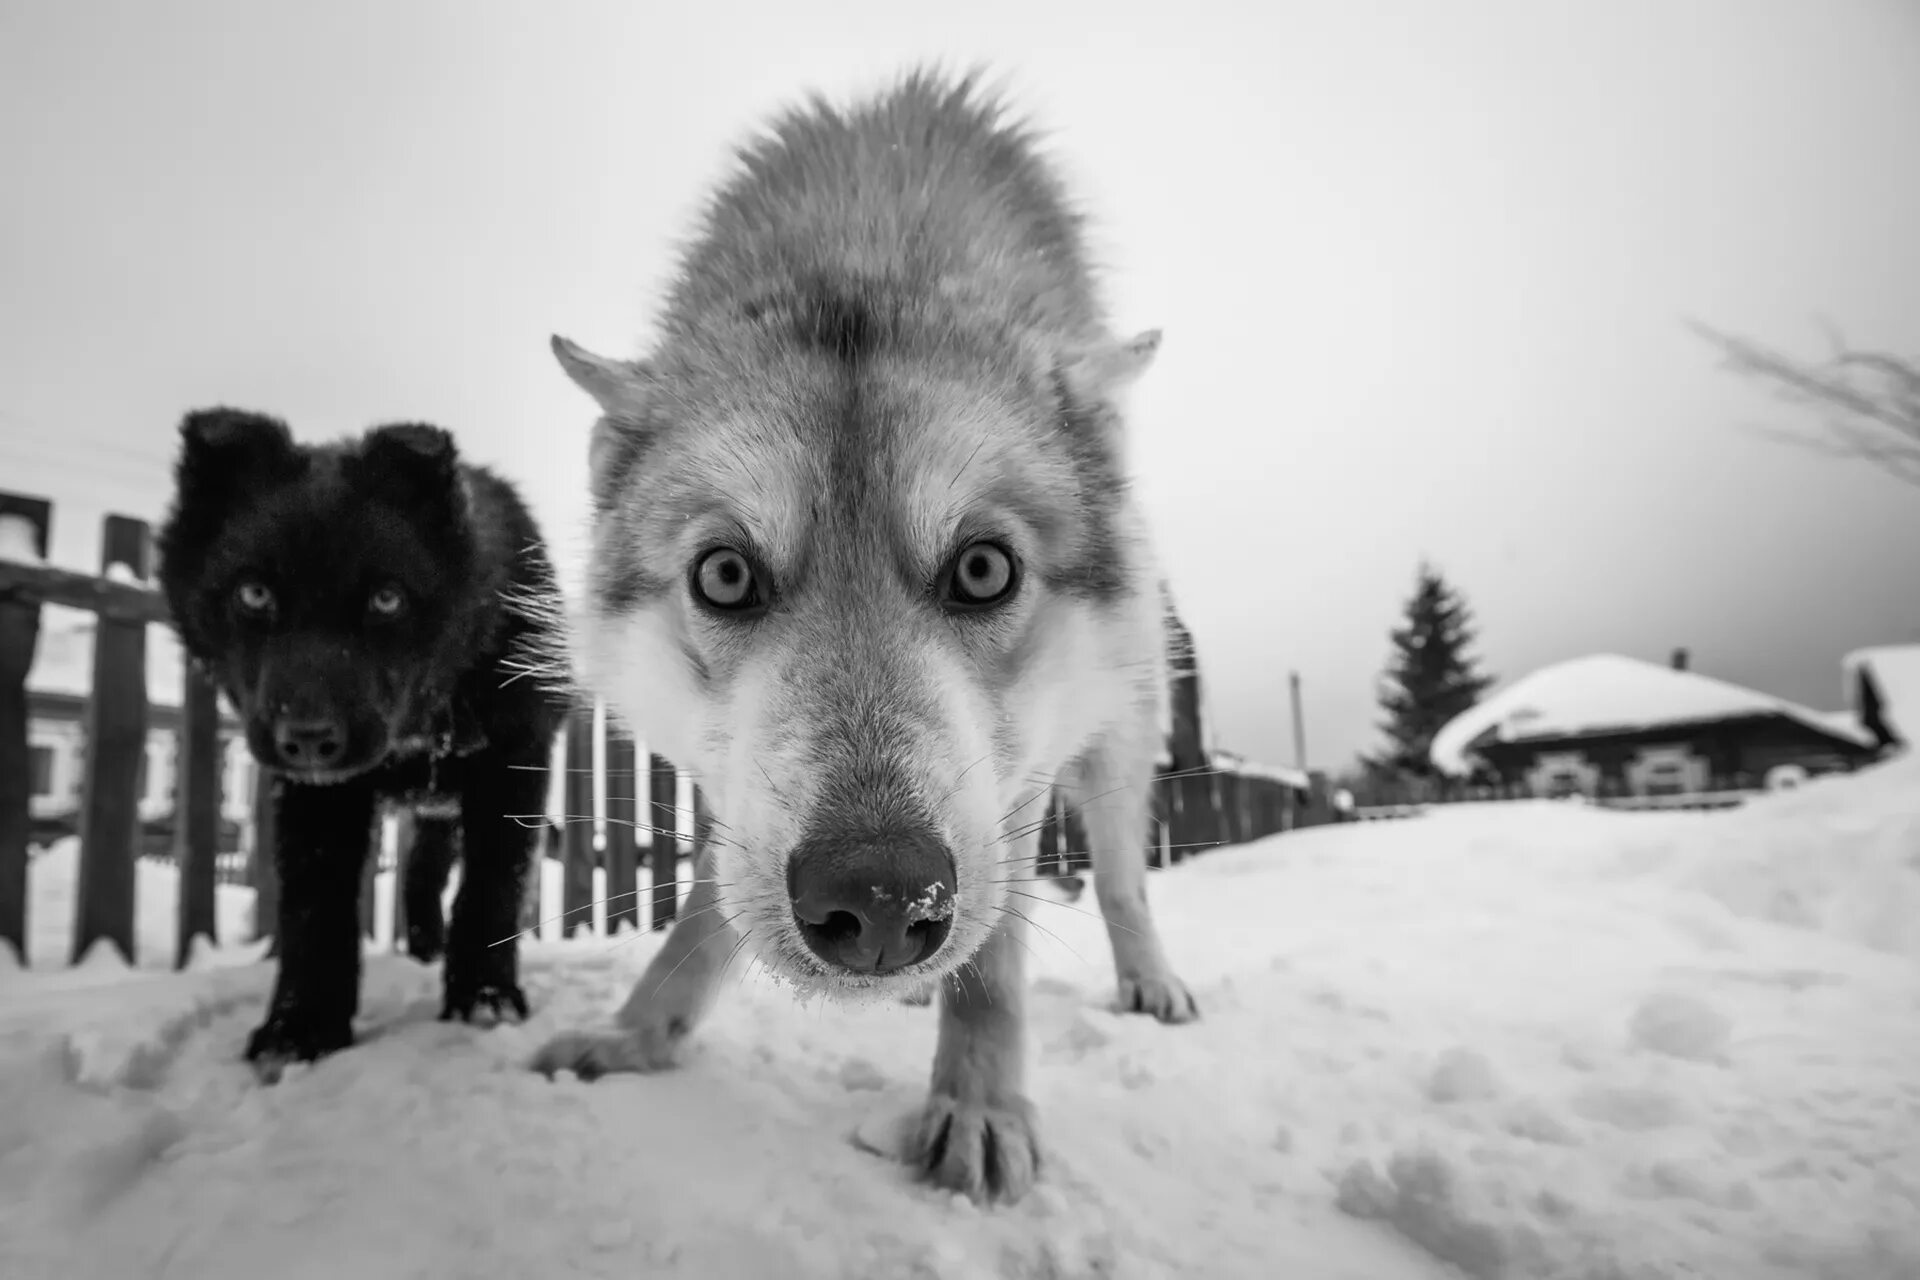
{"points": [[423, 764]]}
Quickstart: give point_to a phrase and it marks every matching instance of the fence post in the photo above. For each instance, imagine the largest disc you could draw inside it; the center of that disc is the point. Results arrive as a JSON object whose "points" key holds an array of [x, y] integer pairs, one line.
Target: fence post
{"points": [[406, 829], [1194, 821], [622, 848], [370, 869], [19, 635], [116, 744], [1047, 859], [1232, 794], [1073, 839], [196, 811], [533, 893], [264, 865], [576, 835], [663, 813], [1156, 826]]}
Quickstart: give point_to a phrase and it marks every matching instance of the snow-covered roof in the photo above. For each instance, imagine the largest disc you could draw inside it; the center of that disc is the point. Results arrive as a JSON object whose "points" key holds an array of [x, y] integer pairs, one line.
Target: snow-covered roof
{"points": [[63, 660], [1234, 762], [1844, 722], [1607, 692], [1896, 676], [1276, 773]]}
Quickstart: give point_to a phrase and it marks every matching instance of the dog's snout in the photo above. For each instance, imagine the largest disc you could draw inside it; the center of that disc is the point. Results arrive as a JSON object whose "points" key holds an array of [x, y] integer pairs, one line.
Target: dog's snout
{"points": [[309, 744], [873, 904]]}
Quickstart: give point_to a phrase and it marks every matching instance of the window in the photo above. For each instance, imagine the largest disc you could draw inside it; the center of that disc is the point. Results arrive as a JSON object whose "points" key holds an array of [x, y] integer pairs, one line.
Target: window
{"points": [[40, 769]]}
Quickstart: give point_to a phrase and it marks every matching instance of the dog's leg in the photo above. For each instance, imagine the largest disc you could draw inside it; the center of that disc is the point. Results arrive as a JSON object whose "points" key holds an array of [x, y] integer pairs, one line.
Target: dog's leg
{"points": [[483, 938], [436, 841], [323, 836], [977, 1134], [1112, 788], [669, 1000]]}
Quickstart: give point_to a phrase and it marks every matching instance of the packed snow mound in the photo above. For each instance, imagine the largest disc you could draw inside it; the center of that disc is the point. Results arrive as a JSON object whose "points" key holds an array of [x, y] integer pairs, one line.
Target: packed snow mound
{"points": [[1895, 669], [1606, 691], [1525, 1041], [1839, 856]]}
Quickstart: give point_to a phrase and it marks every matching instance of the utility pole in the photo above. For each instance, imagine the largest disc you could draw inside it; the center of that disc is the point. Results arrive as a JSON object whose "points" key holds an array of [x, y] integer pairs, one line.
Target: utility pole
{"points": [[1299, 725]]}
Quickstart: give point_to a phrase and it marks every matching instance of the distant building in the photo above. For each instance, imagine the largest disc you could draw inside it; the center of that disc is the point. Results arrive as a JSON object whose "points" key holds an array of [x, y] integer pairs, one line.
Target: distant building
{"points": [[57, 695], [1183, 740], [1612, 725], [1883, 692]]}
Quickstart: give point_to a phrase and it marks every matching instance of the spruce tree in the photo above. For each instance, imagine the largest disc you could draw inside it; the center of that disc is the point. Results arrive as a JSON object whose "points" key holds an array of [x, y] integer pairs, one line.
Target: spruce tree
{"points": [[1430, 677]]}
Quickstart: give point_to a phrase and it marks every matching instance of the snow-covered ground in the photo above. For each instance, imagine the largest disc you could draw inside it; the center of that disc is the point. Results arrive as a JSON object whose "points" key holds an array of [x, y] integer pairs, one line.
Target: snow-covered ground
{"points": [[1525, 1040]]}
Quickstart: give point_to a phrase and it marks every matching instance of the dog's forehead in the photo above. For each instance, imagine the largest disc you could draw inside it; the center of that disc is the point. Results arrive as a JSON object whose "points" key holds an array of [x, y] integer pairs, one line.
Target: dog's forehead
{"points": [[326, 530], [890, 451]]}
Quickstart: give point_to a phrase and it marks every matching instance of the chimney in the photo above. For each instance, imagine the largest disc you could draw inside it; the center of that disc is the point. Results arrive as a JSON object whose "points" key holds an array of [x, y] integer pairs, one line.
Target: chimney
{"points": [[1679, 659]]}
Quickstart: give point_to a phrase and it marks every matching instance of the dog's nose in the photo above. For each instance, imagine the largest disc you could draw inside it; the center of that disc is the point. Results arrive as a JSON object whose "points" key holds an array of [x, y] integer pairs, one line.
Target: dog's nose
{"points": [[873, 904], [309, 744]]}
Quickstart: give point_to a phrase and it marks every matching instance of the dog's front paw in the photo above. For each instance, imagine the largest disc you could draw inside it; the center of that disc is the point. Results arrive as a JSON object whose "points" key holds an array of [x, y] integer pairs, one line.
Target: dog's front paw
{"points": [[426, 940], [493, 1000], [592, 1054], [1164, 996], [278, 1042], [985, 1151]]}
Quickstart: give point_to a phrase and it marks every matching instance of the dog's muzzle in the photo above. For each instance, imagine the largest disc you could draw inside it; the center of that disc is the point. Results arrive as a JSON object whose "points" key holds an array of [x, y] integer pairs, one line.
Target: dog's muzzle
{"points": [[874, 904]]}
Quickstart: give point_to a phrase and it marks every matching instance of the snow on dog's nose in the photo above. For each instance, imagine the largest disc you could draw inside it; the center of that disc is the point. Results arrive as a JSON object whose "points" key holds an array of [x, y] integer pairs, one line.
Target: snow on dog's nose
{"points": [[873, 904]]}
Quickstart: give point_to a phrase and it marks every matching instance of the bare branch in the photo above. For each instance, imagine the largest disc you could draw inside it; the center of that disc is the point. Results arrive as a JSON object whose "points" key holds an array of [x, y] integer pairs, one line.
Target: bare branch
{"points": [[1869, 400]]}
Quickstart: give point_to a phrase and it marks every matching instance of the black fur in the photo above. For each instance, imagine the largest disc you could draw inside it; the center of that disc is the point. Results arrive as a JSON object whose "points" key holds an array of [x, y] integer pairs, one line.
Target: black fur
{"points": [[418, 699]]}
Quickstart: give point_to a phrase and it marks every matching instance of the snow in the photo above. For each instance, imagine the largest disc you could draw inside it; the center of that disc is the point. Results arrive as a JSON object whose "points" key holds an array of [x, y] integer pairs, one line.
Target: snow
{"points": [[1294, 778], [19, 539], [1896, 675], [1606, 691], [1529, 1041], [1845, 723], [1233, 762]]}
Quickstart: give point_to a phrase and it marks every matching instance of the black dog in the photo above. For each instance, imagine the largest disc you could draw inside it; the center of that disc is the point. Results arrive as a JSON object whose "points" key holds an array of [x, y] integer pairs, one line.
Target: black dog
{"points": [[364, 605]]}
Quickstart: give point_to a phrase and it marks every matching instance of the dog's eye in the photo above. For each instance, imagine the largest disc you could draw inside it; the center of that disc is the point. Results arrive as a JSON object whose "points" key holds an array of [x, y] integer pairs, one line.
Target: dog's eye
{"points": [[724, 580], [386, 602], [983, 574], [254, 597]]}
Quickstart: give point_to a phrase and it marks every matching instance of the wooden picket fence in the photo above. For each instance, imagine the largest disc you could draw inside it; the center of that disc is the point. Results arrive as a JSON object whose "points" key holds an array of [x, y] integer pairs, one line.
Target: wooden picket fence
{"points": [[636, 818]]}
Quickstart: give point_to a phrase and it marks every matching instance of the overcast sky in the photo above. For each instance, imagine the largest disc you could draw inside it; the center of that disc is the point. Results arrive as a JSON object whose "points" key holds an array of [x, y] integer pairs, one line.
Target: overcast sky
{"points": [[1423, 271]]}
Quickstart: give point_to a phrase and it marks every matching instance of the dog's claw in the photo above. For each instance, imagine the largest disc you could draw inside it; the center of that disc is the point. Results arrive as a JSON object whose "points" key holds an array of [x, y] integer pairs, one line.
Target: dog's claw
{"points": [[592, 1054], [986, 1152], [1166, 998], [276, 1045], [426, 943], [496, 999]]}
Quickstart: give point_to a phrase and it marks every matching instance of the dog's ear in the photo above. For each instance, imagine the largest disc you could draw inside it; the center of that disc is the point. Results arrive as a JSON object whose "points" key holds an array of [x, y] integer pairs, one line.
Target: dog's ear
{"points": [[1104, 371], [620, 387], [1091, 381], [227, 457], [225, 451], [412, 462], [623, 389]]}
